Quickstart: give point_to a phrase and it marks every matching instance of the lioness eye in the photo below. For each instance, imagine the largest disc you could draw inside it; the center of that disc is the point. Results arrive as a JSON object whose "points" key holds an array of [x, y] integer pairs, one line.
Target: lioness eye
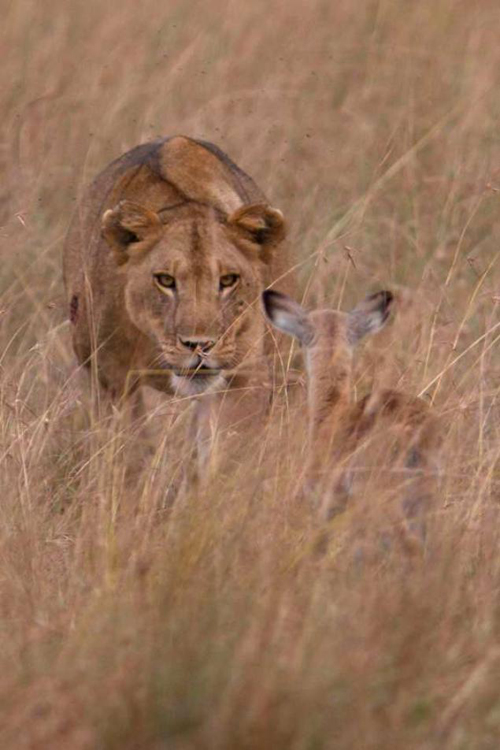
{"points": [[228, 280], [164, 280]]}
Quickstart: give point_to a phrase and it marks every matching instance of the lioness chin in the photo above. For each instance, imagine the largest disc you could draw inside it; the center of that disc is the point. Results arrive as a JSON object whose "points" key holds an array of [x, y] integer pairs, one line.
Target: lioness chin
{"points": [[164, 262]]}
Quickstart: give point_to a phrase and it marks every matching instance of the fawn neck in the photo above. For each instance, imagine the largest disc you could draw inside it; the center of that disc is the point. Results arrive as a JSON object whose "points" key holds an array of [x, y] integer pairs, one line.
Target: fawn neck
{"points": [[329, 365]]}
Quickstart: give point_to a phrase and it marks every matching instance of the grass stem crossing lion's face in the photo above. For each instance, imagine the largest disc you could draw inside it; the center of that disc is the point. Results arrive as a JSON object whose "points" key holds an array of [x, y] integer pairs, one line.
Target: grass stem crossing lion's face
{"points": [[193, 277]]}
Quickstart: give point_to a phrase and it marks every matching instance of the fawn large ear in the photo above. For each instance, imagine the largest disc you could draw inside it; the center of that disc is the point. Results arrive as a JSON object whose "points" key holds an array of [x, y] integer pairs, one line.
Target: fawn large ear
{"points": [[260, 223], [288, 316], [126, 225], [369, 316]]}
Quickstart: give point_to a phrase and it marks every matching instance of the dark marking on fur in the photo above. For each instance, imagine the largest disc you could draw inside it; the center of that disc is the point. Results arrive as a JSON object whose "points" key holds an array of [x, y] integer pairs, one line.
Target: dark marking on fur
{"points": [[73, 308], [413, 458], [195, 238]]}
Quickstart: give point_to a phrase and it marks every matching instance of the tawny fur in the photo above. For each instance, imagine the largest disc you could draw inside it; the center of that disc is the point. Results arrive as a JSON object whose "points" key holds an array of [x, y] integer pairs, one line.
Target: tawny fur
{"points": [[180, 207]]}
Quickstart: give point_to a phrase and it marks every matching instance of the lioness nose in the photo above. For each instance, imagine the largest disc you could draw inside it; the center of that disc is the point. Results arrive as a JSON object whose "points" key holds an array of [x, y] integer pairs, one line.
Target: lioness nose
{"points": [[200, 342]]}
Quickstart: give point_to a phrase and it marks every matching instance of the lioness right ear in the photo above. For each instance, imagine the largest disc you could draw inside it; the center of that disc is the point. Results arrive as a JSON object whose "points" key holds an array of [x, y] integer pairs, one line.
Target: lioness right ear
{"points": [[126, 225], [288, 316], [261, 223]]}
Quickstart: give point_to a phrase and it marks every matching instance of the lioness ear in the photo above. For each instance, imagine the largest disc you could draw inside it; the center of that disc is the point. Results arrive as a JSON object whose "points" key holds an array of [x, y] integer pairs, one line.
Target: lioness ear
{"points": [[127, 224], [288, 316], [261, 223], [369, 316]]}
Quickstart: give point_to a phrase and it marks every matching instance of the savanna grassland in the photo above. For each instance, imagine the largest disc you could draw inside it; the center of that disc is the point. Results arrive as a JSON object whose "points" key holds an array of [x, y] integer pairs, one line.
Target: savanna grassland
{"points": [[375, 126]]}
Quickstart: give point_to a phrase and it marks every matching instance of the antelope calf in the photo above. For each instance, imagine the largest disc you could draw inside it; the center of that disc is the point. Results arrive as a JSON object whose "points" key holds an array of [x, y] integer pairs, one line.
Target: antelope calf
{"points": [[388, 438]]}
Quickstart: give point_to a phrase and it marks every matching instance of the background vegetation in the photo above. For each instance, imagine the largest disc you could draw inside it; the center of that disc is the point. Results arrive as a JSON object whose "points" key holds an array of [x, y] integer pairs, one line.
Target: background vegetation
{"points": [[374, 126]]}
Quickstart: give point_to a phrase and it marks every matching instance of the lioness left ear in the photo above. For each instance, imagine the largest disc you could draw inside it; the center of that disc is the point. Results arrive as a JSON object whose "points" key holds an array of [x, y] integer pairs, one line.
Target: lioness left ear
{"points": [[127, 224], [260, 222]]}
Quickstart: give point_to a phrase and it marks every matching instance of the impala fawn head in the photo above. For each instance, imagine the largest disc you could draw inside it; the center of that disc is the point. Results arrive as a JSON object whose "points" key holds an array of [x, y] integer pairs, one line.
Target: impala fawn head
{"points": [[329, 338]]}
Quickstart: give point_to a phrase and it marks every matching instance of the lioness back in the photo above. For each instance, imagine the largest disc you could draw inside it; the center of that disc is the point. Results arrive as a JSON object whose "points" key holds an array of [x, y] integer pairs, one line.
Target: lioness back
{"points": [[164, 261]]}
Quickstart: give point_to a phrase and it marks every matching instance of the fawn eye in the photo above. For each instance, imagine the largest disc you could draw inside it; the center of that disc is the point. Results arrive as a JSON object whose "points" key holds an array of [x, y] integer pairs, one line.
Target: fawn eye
{"points": [[164, 280], [228, 280]]}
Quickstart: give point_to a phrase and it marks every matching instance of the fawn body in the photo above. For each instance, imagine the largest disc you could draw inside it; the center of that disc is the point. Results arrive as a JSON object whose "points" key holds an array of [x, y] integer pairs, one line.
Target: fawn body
{"points": [[389, 438]]}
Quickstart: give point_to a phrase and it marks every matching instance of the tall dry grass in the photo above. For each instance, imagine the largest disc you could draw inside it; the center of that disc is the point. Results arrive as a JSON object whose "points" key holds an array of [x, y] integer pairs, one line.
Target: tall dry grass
{"points": [[374, 125]]}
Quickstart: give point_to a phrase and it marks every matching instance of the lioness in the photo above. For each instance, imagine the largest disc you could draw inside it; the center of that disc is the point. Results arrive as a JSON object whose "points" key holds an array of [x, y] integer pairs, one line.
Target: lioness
{"points": [[164, 262]]}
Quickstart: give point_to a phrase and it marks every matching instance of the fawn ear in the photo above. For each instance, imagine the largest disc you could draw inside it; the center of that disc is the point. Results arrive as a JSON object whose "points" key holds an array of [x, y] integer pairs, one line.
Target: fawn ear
{"points": [[288, 316], [369, 316]]}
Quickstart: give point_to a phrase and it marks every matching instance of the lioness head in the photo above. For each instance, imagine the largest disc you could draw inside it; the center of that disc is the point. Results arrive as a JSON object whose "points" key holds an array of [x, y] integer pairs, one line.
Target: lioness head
{"points": [[193, 278]]}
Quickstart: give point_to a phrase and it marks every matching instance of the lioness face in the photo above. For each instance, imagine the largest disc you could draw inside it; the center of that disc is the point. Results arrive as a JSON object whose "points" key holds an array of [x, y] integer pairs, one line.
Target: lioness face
{"points": [[192, 286]]}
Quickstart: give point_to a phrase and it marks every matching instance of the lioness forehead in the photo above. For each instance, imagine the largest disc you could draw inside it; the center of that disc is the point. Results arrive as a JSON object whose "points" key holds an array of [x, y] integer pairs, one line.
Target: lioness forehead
{"points": [[191, 211], [196, 236]]}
